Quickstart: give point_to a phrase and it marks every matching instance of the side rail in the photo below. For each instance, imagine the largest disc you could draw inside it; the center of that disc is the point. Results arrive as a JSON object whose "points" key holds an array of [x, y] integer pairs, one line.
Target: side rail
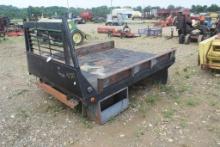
{"points": [[51, 56], [136, 71], [83, 51]]}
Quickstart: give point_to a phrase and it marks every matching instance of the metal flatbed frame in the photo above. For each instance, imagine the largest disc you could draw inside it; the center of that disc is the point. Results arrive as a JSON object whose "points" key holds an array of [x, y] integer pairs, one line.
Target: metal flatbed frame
{"points": [[95, 76]]}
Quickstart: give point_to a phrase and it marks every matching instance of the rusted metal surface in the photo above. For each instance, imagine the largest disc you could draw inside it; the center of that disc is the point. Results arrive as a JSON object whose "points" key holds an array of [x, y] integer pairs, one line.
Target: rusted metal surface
{"points": [[58, 95], [106, 29], [110, 62], [210, 66], [123, 34], [114, 32], [111, 66], [82, 51], [150, 57], [130, 70], [104, 82]]}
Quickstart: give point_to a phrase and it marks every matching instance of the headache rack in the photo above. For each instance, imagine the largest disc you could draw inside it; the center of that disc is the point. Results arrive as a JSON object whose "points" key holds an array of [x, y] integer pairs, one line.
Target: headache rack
{"points": [[95, 76]]}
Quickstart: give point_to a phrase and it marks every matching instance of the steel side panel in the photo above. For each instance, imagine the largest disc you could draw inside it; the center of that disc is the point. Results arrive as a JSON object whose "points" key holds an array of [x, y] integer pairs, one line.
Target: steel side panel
{"points": [[58, 75], [137, 71], [132, 80], [94, 48]]}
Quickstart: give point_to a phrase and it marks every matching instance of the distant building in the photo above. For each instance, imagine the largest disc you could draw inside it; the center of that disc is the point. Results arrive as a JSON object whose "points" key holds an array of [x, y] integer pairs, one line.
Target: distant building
{"points": [[151, 13], [167, 12]]}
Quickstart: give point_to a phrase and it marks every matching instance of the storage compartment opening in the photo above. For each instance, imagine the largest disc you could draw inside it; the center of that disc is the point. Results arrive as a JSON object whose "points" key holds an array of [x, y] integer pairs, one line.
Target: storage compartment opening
{"points": [[115, 98], [216, 48], [215, 61]]}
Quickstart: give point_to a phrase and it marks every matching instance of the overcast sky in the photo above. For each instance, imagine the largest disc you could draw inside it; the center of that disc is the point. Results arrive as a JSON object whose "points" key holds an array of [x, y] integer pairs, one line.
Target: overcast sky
{"points": [[95, 3]]}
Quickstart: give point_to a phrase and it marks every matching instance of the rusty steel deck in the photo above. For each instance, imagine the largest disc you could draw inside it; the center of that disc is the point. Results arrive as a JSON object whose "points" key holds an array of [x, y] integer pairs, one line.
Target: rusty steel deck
{"points": [[101, 64]]}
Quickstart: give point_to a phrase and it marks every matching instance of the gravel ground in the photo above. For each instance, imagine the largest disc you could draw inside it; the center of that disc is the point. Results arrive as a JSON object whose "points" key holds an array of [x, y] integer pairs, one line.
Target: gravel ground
{"points": [[185, 112]]}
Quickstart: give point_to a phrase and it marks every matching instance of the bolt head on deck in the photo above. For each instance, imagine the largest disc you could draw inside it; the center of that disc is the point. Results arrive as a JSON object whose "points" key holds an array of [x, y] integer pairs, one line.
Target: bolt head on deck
{"points": [[92, 99], [89, 89]]}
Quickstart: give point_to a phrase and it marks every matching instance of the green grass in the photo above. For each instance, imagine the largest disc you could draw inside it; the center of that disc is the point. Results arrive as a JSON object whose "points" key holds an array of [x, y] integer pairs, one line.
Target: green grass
{"points": [[166, 88], [214, 103], [188, 72], [183, 122], [192, 102], [214, 128], [55, 108], [168, 113], [183, 88], [17, 93], [86, 123], [139, 132], [172, 91], [186, 69], [11, 40], [22, 113], [145, 103], [152, 99], [143, 108]]}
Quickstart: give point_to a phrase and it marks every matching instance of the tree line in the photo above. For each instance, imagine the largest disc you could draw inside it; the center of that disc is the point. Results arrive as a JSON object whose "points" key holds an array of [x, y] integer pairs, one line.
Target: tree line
{"points": [[102, 11]]}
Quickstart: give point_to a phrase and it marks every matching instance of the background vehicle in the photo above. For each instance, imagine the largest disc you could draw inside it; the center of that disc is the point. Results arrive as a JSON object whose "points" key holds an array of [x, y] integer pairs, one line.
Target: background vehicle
{"points": [[77, 35], [86, 15], [78, 20], [118, 20]]}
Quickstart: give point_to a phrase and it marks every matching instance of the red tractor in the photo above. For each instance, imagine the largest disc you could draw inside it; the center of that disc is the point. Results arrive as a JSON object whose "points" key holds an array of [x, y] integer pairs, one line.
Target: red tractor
{"points": [[86, 15]]}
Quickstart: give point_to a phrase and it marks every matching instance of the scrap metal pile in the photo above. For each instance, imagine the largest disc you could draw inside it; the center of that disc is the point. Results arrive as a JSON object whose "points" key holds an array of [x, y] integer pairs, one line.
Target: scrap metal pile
{"points": [[195, 29], [9, 29], [3, 26], [112, 31]]}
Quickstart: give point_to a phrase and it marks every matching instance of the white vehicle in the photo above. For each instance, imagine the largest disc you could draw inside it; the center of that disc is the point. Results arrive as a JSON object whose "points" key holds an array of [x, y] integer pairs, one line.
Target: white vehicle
{"points": [[128, 12], [121, 16], [118, 20]]}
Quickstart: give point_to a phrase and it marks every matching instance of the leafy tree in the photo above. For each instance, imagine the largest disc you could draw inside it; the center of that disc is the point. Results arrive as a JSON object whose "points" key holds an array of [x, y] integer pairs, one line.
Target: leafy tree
{"points": [[205, 8], [101, 11], [171, 7], [139, 8], [214, 8], [147, 9]]}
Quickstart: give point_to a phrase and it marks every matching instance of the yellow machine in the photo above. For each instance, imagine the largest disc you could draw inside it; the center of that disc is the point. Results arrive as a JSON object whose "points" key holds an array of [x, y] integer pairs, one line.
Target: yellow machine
{"points": [[214, 16], [209, 53]]}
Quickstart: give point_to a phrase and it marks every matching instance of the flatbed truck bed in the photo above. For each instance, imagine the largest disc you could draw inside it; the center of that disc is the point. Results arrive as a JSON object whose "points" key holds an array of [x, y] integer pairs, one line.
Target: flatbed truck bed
{"points": [[95, 76]]}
